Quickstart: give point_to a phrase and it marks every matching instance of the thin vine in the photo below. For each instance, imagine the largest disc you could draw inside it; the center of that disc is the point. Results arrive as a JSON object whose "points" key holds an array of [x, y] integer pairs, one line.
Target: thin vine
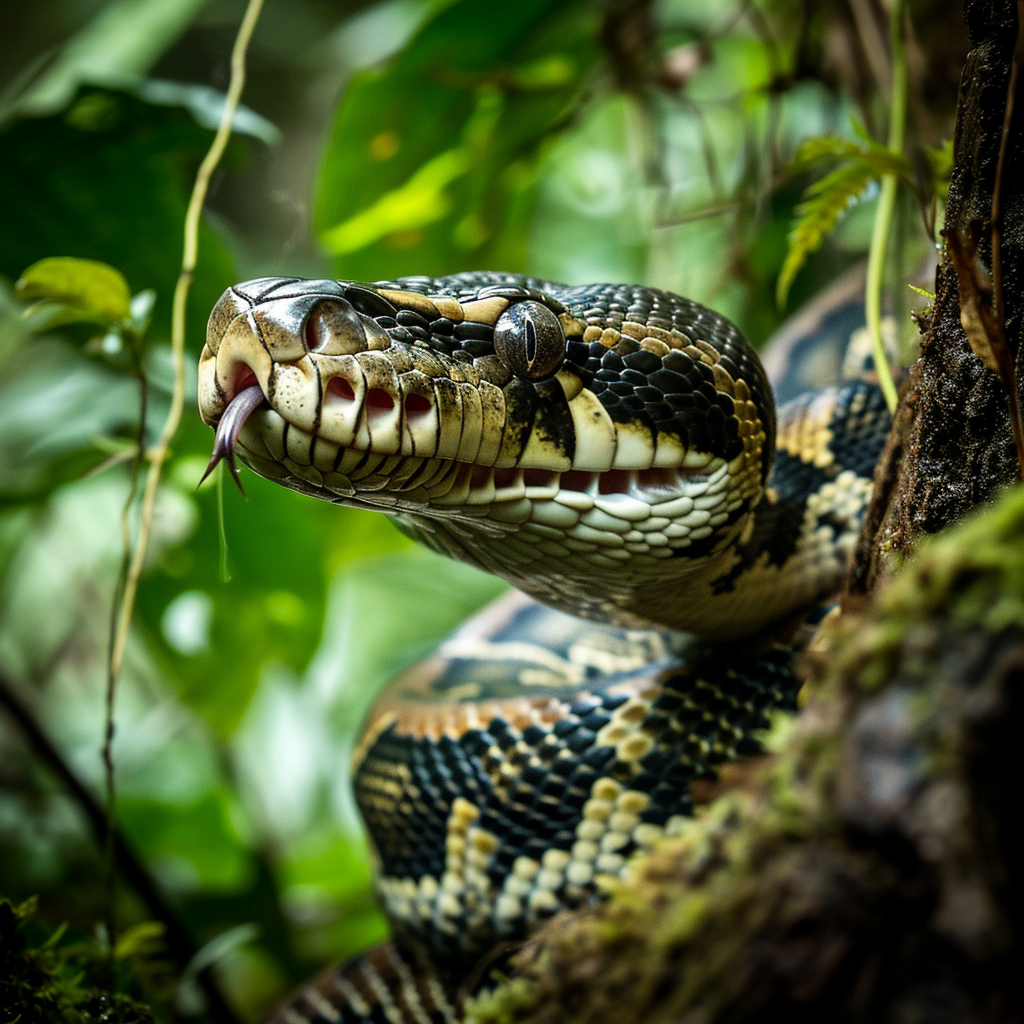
{"points": [[158, 454], [133, 342], [887, 203]]}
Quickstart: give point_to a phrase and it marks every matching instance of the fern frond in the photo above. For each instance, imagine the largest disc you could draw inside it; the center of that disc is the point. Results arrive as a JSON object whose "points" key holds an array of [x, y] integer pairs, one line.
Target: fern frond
{"points": [[831, 147], [825, 202]]}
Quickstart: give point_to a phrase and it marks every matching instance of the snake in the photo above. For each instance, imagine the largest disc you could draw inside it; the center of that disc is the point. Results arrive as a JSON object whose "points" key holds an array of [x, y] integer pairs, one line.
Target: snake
{"points": [[615, 453]]}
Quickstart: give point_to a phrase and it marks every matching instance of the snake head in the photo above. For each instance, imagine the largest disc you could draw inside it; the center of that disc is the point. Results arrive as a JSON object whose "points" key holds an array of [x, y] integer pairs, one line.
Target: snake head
{"points": [[552, 435]]}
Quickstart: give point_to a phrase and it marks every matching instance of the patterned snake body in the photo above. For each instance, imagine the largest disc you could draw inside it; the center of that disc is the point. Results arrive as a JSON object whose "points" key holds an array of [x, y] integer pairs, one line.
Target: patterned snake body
{"points": [[612, 451]]}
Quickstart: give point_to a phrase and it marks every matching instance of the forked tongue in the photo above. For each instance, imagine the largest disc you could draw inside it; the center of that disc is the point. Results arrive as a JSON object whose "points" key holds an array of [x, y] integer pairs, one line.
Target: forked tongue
{"points": [[239, 409]]}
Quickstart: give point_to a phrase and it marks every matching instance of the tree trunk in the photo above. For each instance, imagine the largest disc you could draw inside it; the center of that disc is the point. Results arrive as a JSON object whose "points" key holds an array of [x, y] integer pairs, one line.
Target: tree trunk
{"points": [[952, 445]]}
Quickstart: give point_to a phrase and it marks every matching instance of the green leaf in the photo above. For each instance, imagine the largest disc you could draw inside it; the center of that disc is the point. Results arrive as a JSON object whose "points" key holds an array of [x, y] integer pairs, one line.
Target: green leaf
{"points": [[87, 290], [140, 940], [414, 204], [432, 159], [119, 44], [109, 179], [206, 105], [824, 204], [940, 160]]}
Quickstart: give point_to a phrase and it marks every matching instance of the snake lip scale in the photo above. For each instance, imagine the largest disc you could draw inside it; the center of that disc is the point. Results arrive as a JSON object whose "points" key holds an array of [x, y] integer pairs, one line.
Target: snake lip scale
{"points": [[613, 451], [499, 484]]}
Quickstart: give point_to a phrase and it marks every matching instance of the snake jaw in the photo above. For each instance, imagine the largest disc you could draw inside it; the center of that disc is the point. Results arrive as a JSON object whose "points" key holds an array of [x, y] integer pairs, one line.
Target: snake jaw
{"points": [[641, 458]]}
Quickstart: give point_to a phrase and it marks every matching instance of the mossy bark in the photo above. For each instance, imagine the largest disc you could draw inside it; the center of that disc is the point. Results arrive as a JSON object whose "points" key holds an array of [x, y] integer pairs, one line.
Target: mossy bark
{"points": [[871, 869], [952, 444]]}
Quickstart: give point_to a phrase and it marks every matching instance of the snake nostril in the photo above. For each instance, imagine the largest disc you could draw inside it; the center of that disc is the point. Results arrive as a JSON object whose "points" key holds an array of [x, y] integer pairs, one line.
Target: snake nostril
{"points": [[314, 331], [416, 406], [339, 390], [378, 400]]}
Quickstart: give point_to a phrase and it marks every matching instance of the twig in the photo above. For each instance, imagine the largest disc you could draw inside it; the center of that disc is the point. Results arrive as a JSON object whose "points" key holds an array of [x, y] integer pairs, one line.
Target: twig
{"points": [[986, 333], [134, 872], [997, 191], [107, 754], [886, 204], [158, 455]]}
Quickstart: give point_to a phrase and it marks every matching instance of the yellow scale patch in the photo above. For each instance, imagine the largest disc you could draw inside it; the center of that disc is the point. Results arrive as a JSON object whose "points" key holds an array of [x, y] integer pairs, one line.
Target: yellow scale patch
{"points": [[805, 433]]}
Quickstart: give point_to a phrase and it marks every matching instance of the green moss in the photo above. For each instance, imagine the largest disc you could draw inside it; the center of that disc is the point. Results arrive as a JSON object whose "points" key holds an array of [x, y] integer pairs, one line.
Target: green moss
{"points": [[503, 1003], [44, 985]]}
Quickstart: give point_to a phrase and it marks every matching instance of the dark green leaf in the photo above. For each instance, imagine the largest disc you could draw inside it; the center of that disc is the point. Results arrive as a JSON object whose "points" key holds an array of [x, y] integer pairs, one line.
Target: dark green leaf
{"points": [[119, 44], [109, 180]]}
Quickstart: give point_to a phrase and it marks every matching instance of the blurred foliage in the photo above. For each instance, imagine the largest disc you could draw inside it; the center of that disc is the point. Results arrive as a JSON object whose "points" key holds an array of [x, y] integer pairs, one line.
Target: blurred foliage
{"points": [[574, 139], [463, 149]]}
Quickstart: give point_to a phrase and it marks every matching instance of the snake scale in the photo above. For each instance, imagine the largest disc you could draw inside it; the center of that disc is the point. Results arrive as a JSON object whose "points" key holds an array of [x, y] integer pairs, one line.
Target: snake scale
{"points": [[614, 452]]}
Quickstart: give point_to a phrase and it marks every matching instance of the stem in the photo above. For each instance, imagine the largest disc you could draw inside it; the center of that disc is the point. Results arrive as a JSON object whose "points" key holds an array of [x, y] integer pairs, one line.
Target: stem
{"points": [[158, 455], [999, 308], [135, 344], [997, 191], [886, 204], [188, 265]]}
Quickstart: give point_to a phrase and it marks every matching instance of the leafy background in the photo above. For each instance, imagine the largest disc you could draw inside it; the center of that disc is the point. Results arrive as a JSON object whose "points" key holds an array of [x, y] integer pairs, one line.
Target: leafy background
{"points": [[655, 142]]}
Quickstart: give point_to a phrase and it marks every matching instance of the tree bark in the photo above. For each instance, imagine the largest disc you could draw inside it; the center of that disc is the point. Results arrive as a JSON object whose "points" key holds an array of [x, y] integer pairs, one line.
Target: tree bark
{"points": [[952, 447]]}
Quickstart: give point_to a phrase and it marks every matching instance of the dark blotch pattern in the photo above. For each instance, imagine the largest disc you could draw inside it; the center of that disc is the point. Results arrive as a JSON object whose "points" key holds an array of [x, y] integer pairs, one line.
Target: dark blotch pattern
{"points": [[859, 426], [675, 395], [530, 785]]}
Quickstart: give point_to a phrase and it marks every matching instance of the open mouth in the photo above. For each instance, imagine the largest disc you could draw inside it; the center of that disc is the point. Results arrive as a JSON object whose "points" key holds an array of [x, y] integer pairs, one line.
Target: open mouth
{"points": [[506, 494], [621, 500]]}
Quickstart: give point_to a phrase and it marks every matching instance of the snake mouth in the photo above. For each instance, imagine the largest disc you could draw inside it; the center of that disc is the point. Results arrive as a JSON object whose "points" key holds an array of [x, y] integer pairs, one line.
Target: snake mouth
{"points": [[613, 513], [440, 485]]}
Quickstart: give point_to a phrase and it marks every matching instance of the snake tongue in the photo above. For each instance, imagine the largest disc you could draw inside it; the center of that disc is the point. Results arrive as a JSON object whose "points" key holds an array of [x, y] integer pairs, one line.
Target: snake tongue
{"points": [[239, 409]]}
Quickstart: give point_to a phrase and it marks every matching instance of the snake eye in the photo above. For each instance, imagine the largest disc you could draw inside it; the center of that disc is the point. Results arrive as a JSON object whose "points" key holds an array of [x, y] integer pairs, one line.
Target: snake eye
{"points": [[529, 340]]}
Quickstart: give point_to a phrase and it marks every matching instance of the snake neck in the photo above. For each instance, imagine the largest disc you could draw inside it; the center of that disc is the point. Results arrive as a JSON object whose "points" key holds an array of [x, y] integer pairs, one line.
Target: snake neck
{"points": [[785, 555]]}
